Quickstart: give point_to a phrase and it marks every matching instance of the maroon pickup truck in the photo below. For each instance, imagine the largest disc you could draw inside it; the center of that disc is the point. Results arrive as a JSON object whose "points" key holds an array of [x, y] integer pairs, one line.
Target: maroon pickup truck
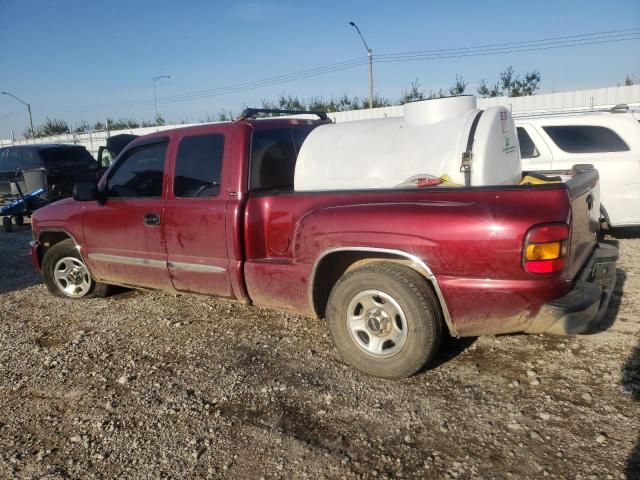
{"points": [[211, 210]]}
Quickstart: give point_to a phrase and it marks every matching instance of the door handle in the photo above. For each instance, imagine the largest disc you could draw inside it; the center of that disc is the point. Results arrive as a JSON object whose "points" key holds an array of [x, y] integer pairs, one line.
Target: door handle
{"points": [[152, 219]]}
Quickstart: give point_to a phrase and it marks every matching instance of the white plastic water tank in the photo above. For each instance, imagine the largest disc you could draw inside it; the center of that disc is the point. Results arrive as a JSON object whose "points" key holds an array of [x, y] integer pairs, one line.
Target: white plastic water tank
{"points": [[429, 140]]}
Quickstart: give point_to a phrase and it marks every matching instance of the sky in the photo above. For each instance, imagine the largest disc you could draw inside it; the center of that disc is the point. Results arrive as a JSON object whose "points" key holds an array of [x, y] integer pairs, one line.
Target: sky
{"points": [[73, 60]]}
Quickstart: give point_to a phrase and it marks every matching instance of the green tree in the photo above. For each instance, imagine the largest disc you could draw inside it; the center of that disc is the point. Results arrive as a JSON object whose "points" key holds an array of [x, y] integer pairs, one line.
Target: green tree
{"points": [[413, 93], [459, 87], [289, 102], [48, 128], [224, 115], [82, 127], [628, 81], [512, 85]]}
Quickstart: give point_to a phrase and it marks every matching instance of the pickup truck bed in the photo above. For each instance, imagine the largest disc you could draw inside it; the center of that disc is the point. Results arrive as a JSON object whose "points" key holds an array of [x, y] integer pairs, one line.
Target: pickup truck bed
{"points": [[211, 210], [469, 241]]}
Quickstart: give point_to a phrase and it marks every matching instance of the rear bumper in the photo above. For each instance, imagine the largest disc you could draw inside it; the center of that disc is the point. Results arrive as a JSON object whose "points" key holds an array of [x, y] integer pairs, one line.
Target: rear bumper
{"points": [[585, 305], [34, 254]]}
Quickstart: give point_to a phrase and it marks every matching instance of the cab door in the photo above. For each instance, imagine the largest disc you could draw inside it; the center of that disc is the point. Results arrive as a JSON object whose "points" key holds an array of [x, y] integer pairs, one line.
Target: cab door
{"points": [[195, 213], [124, 237]]}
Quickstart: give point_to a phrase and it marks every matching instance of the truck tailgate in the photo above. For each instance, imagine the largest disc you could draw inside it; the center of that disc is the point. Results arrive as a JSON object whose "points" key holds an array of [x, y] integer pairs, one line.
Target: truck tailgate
{"points": [[584, 193]]}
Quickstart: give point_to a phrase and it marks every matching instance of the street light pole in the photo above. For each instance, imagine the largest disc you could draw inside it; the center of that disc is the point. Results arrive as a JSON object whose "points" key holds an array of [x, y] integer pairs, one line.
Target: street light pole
{"points": [[370, 55], [155, 98], [25, 104]]}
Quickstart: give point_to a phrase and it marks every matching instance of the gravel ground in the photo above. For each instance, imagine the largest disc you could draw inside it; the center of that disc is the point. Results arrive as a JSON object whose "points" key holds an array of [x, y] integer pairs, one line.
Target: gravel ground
{"points": [[151, 385]]}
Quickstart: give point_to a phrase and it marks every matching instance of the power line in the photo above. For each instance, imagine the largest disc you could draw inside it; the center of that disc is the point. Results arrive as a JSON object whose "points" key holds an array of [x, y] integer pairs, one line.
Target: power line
{"points": [[414, 58], [347, 64], [502, 44], [578, 40]]}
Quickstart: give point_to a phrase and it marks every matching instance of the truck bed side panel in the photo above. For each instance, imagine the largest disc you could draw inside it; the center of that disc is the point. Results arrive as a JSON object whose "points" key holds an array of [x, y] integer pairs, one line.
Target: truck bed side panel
{"points": [[471, 240]]}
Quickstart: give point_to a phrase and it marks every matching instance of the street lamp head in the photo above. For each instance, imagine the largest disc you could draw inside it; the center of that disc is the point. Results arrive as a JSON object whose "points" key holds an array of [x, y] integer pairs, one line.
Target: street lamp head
{"points": [[361, 37]]}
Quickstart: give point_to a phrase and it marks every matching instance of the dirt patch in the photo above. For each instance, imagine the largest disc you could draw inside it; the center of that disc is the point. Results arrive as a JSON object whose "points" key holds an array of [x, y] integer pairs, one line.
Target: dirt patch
{"points": [[145, 384]]}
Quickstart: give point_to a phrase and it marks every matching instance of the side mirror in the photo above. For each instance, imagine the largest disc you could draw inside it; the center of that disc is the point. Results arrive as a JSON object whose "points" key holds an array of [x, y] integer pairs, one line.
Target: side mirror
{"points": [[105, 157], [85, 191]]}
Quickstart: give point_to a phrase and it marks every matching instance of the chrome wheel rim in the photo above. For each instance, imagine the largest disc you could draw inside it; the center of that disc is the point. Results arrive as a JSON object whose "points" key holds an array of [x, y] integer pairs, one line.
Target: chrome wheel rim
{"points": [[72, 277], [376, 323]]}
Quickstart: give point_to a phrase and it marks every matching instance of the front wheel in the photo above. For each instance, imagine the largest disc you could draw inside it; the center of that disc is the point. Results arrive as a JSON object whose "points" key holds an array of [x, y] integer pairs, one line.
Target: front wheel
{"points": [[385, 320], [66, 275]]}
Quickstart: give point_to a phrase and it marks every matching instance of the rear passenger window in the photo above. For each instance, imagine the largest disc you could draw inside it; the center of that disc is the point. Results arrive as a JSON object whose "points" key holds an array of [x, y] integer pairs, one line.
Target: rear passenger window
{"points": [[198, 166], [586, 139], [527, 147], [273, 157]]}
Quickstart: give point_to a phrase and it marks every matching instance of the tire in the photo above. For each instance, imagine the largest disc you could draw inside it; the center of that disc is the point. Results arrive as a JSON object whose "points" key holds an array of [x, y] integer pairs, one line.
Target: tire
{"points": [[385, 320], [63, 266], [19, 219], [6, 224]]}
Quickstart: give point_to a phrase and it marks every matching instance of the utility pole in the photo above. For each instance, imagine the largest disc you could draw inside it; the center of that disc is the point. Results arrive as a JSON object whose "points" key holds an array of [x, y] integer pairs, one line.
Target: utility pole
{"points": [[370, 55], [155, 98], [28, 109]]}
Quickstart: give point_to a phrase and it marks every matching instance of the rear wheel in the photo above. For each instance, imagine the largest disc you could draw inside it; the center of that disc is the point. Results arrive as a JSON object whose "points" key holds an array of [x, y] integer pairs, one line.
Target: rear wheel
{"points": [[19, 220], [385, 320], [66, 274]]}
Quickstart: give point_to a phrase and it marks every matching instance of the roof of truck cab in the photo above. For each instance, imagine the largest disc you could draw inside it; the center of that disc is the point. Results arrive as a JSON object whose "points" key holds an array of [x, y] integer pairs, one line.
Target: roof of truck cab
{"points": [[256, 123]]}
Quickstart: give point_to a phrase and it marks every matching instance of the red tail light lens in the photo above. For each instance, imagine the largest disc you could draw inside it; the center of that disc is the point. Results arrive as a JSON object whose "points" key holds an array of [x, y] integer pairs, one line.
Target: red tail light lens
{"points": [[545, 248]]}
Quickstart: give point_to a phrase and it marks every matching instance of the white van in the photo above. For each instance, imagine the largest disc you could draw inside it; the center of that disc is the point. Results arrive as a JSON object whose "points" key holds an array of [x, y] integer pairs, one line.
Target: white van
{"points": [[610, 140]]}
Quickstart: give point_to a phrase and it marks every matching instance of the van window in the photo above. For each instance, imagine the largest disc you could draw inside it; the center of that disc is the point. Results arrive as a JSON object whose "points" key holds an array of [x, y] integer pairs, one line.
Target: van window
{"points": [[11, 159], [198, 166], [585, 139], [67, 157], [528, 149], [273, 157], [30, 159], [4, 160]]}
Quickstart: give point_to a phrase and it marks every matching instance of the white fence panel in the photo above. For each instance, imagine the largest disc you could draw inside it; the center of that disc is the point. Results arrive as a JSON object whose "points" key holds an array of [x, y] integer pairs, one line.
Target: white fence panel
{"points": [[577, 100]]}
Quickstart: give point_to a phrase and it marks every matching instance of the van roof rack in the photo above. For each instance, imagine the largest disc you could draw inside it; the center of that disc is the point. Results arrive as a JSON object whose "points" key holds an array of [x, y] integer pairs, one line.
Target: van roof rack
{"points": [[620, 108], [252, 112]]}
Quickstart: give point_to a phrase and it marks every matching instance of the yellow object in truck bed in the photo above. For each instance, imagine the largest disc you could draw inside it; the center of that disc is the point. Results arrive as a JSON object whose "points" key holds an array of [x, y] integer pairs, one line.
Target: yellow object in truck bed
{"points": [[532, 179]]}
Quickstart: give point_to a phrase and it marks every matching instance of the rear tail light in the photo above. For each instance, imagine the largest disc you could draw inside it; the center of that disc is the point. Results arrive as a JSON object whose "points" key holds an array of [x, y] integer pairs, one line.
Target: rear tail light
{"points": [[545, 248]]}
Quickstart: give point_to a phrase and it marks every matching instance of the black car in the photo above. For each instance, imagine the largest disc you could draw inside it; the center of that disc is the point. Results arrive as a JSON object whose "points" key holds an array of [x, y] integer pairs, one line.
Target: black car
{"points": [[57, 168]]}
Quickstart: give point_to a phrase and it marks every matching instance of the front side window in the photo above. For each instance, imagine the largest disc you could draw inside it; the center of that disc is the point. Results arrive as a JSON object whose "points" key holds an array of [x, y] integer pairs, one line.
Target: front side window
{"points": [[139, 174], [4, 159], [13, 158], [585, 139], [527, 147], [198, 166]]}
